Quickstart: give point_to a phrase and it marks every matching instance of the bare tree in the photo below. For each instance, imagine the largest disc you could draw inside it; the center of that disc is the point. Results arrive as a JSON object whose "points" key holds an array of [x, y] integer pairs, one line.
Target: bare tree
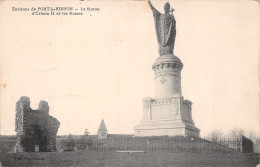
{"points": [[236, 133], [86, 133], [215, 135], [70, 136]]}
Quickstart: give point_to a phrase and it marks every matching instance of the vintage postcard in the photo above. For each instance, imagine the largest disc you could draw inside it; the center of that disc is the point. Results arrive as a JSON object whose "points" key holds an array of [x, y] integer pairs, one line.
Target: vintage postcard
{"points": [[129, 83]]}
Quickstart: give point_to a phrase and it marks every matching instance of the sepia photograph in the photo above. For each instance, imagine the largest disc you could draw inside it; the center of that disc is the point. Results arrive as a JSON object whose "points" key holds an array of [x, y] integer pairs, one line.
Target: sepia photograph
{"points": [[129, 83]]}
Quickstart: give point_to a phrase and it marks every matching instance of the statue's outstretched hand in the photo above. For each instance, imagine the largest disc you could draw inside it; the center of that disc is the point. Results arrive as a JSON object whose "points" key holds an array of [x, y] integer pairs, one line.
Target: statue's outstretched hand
{"points": [[151, 6]]}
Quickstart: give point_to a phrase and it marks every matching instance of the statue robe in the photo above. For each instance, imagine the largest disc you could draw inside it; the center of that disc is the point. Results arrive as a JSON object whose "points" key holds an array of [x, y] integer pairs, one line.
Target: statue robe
{"points": [[165, 26]]}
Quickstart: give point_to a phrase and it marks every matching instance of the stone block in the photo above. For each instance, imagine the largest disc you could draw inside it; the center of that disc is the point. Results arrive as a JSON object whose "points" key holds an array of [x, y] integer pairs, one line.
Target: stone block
{"points": [[168, 114], [35, 127]]}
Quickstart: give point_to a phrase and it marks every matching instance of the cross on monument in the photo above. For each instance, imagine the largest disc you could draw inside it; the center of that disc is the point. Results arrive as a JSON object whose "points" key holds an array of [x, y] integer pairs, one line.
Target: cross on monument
{"points": [[163, 80]]}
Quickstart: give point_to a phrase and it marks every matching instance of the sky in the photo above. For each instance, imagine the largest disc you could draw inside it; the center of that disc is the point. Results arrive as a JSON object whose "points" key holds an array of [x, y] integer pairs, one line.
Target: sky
{"points": [[99, 65]]}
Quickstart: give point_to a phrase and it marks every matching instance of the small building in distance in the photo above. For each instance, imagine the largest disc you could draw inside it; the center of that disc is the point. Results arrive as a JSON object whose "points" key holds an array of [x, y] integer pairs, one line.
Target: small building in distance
{"points": [[102, 130]]}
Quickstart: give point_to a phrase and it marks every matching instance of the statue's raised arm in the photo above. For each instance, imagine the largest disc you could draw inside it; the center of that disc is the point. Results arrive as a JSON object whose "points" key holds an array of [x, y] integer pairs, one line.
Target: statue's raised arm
{"points": [[153, 8]]}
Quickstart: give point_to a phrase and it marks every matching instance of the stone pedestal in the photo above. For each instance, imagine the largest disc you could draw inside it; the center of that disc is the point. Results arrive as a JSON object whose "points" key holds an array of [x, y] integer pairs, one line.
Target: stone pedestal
{"points": [[168, 114]]}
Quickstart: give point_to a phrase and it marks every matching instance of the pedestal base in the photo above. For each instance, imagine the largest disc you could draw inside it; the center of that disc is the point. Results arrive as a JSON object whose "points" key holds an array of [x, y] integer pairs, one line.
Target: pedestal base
{"points": [[168, 114], [166, 128]]}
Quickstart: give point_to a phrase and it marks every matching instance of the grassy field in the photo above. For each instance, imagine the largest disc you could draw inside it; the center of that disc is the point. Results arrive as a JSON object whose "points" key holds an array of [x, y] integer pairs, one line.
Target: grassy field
{"points": [[208, 154], [95, 158]]}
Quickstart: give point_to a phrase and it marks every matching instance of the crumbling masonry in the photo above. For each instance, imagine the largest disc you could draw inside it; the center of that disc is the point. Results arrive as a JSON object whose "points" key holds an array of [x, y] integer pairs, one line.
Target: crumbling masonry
{"points": [[35, 127]]}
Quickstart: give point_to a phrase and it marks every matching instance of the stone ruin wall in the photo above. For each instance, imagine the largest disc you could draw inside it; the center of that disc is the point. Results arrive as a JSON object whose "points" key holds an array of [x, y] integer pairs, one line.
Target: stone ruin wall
{"points": [[35, 127]]}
